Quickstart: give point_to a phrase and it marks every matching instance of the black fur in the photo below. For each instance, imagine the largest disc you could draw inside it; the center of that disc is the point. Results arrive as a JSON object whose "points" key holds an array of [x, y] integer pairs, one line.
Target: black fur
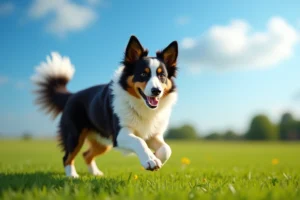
{"points": [[88, 109], [52, 94]]}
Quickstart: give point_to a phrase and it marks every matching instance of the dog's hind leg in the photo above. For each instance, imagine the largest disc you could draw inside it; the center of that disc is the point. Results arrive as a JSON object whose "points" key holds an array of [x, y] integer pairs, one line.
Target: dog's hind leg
{"points": [[97, 147], [73, 142]]}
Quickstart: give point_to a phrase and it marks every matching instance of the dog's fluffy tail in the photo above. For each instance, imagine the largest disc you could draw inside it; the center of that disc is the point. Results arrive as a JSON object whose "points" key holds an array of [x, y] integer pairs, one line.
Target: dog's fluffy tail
{"points": [[51, 78]]}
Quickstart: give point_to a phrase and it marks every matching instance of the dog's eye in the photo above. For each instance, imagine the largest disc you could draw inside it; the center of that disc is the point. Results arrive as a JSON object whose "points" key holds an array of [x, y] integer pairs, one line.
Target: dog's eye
{"points": [[143, 74]]}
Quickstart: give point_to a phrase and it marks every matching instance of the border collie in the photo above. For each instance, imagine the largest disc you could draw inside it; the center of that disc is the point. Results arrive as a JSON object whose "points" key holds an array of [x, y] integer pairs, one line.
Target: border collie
{"points": [[131, 112]]}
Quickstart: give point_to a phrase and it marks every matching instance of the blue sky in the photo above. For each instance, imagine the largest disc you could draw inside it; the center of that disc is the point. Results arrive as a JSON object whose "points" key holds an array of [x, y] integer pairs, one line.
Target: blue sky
{"points": [[236, 58]]}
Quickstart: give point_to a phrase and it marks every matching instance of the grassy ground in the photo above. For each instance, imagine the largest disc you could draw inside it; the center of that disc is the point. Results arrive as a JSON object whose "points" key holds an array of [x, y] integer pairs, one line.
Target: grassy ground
{"points": [[33, 170]]}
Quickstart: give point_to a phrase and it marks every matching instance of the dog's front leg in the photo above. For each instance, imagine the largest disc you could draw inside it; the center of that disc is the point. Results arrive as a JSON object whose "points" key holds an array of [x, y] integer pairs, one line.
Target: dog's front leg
{"points": [[127, 140], [161, 148]]}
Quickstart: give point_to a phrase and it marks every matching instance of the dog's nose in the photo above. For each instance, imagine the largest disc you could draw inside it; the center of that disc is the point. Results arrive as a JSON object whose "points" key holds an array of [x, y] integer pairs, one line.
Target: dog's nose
{"points": [[155, 91]]}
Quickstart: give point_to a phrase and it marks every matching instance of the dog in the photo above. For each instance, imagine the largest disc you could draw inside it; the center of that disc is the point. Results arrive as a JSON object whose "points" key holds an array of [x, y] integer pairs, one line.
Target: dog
{"points": [[129, 113]]}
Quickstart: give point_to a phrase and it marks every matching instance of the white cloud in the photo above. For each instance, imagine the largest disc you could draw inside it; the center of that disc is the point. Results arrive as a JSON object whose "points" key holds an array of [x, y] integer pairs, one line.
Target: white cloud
{"points": [[6, 8], [65, 16], [238, 46], [182, 20], [3, 80]]}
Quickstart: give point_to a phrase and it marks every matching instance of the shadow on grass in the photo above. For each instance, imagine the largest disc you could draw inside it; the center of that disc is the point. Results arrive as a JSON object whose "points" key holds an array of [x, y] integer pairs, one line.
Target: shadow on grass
{"points": [[22, 182]]}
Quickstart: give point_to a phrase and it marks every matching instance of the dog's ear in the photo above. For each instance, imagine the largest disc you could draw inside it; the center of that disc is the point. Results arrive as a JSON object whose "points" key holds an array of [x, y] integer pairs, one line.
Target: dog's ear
{"points": [[169, 57], [134, 50]]}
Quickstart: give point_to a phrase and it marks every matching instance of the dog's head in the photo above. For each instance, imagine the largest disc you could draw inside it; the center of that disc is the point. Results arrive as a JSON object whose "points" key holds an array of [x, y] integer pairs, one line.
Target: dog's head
{"points": [[149, 78]]}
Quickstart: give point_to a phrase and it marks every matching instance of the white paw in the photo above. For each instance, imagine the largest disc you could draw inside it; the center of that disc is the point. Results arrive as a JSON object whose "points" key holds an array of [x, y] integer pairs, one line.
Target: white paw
{"points": [[152, 164], [97, 173], [93, 169], [73, 175], [163, 153], [71, 171]]}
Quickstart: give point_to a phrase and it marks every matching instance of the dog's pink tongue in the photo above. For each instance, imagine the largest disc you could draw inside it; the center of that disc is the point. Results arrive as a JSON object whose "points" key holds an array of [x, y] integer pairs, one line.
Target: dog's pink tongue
{"points": [[152, 101]]}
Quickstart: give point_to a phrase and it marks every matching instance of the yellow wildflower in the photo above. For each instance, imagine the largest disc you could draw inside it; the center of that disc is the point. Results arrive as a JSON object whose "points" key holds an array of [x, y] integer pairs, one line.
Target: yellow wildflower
{"points": [[275, 161], [185, 161], [135, 177]]}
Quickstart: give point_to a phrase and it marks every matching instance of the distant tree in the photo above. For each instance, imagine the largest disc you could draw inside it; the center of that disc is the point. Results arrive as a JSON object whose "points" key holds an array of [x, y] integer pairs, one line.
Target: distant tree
{"points": [[288, 127], [173, 133], [261, 128], [26, 136], [297, 124], [230, 135], [213, 136], [183, 132]]}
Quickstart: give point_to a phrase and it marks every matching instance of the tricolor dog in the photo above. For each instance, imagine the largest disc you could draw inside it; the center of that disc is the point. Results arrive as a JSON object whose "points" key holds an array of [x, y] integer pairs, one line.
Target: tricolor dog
{"points": [[130, 113]]}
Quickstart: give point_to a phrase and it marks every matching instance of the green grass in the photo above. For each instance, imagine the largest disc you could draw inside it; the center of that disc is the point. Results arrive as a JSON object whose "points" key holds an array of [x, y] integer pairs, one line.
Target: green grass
{"points": [[218, 170]]}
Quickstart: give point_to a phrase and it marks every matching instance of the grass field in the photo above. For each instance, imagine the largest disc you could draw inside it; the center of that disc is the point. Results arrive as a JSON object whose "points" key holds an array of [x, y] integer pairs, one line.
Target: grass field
{"points": [[217, 170]]}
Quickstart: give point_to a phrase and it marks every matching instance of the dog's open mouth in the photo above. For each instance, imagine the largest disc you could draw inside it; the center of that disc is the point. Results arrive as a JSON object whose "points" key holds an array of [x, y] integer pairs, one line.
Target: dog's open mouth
{"points": [[152, 102]]}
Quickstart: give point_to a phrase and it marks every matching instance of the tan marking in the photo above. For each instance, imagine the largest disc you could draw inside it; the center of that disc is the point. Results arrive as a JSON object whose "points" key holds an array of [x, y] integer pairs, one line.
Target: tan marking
{"points": [[167, 87], [72, 155], [141, 85], [130, 88], [159, 70], [147, 70], [95, 149], [130, 81], [133, 87]]}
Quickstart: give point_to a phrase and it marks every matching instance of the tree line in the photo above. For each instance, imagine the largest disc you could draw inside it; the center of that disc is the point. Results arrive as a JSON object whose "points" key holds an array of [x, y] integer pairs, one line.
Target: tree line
{"points": [[260, 128]]}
